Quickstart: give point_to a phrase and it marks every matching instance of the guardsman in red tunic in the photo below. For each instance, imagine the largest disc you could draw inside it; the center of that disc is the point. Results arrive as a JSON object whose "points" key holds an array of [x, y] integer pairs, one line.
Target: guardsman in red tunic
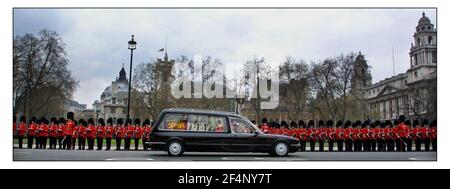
{"points": [[264, 127], [120, 133], [21, 130], [331, 135], [146, 136], [425, 131], [378, 141], [82, 134], [416, 136], [101, 131], [365, 136], [312, 137], [348, 136], [372, 138], [60, 132], [390, 136], [70, 124], [383, 136], [302, 135], [31, 132], [109, 132], [408, 136], [357, 136], [321, 135], [401, 131], [433, 136], [129, 131], [339, 132], [138, 132], [43, 133], [91, 133], [52, 134]]}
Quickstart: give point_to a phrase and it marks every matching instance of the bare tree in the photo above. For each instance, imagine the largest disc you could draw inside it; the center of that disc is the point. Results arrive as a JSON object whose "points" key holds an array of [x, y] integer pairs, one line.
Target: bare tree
{"points": [[41, 78]]}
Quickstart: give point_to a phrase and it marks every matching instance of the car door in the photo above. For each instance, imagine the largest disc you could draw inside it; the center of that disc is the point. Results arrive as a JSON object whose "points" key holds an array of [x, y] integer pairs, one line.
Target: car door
{"points": [[244, 137]]}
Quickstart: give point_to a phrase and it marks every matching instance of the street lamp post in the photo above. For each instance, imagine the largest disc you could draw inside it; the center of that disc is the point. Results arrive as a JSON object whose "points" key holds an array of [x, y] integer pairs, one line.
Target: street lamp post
{"points": [[131, 46]]}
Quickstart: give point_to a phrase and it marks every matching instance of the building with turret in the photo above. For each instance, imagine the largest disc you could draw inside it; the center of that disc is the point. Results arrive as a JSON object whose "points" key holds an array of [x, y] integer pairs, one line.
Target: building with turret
{"points": [[413, 93]]}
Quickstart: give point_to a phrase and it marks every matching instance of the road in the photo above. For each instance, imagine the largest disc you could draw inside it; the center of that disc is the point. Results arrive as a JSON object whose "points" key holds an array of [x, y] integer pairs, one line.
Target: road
{"points": [[80, 155]]}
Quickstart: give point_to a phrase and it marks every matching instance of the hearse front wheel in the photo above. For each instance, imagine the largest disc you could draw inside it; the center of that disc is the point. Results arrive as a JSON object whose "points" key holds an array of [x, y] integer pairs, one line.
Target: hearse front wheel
{"points": [[280, 149], [175, 148]]}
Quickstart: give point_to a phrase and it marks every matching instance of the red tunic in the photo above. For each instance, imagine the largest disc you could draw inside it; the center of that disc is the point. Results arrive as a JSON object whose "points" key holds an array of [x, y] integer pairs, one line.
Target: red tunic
{"points": [[69, 127], [356, 134], [22, 129], [433, 134], [91, 131], [52, 130], [109, 131], [101, 131], [312, 134], [32, 129], [129, 131], [331, 133], [120, 132], [61, 129], [43, 130], [139, 131], [82, 132]]}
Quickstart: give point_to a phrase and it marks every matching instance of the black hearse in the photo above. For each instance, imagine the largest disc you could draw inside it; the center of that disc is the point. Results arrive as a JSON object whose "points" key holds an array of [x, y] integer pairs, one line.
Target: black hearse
{"points": [[180, 130]]}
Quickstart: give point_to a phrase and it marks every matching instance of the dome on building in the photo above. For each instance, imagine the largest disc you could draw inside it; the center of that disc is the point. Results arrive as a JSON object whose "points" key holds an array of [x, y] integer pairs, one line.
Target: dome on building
{"points": [[424, 20]]}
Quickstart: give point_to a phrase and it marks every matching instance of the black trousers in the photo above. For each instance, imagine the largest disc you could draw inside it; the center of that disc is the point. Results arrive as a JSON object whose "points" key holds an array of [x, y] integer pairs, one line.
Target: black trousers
{"points": [[380, 145], [108, 143], [303, 143], [20, 138], [408, 144], [312, 146], [321, 142], [340, 145], [52, 142], [426, 143], [366, 144], [60, 143], [42, 142], [418, 143], [118, 143], [38, 142], [348, 145], [434, 144], [30, 141], [90, 143], [330, 145], [68, 142], [373, 144], [136, 143], [81, 143], [127, 143], [72, 143], [391, 145], [99, 143], [145, 146]]}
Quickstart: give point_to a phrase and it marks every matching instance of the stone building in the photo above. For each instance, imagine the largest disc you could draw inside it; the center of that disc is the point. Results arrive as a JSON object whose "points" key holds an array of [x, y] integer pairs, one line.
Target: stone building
{"points": [[412, 93]]}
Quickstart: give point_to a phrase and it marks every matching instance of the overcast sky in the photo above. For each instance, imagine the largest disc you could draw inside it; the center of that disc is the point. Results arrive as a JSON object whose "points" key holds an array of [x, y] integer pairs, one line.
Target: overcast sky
{"points": [[97, 39]]}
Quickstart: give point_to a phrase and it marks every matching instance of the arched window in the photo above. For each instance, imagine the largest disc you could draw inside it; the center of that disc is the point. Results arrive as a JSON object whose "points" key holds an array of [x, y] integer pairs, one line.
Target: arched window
{"points": [[430, 40]]}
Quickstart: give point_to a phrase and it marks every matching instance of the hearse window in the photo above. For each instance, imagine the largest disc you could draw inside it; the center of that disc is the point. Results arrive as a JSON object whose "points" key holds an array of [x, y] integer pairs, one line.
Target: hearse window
{"points": [[241, 126], [175, 122], [206, 123]]}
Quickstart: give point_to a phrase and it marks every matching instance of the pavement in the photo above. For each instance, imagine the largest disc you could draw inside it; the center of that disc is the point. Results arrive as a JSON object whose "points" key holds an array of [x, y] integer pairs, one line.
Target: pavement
{"points": [[113, 155]]}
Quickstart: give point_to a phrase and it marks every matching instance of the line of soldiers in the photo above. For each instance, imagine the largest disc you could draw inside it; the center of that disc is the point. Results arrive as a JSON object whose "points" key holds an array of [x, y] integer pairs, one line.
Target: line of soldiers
{"points": [[66, 133], [399, 135]]}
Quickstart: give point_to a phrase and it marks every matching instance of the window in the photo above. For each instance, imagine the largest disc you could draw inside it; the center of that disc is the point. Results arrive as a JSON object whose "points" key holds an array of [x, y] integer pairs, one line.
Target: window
{"points": [[124, 110], [113, 110], [241, 126], [113, 100], [430, 40], [434, 57], [191, 122], [415, 74]]}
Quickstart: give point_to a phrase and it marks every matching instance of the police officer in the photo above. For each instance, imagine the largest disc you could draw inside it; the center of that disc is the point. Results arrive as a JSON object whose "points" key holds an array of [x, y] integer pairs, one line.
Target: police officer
{"points": [[109, 132], [52, 132], [101, 130], [21, 130], [91, 133], [331, 135]]}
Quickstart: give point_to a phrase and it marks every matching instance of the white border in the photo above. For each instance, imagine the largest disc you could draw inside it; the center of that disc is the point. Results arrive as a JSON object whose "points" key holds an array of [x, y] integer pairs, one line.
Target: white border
{"points": [[6, 83]]}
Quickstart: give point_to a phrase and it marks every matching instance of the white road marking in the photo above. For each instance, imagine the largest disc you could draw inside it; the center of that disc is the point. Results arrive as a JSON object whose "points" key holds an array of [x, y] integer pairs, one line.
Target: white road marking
{"points": [[421, 158]]}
